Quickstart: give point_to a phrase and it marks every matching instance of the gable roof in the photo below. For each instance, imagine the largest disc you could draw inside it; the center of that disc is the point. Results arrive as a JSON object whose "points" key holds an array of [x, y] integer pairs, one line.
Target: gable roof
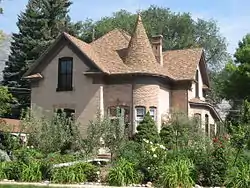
{"points": [[118, 53]]}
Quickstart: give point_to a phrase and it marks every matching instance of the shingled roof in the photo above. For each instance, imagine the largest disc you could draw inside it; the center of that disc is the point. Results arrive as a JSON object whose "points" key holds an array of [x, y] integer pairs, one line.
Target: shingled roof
{"points": [[118, 53]]}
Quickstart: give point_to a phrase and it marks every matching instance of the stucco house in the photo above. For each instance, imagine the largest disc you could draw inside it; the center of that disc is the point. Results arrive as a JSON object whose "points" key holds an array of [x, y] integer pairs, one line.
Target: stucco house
{"points": [[131, 72]]}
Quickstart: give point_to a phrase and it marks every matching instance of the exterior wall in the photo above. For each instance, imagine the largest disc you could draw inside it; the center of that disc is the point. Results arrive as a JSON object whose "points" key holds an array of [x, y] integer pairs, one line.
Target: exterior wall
{"points": [[117, 94], [146, 95], [191, 92], [164, 102], [203, 112], [84, 98], [179, 100]]}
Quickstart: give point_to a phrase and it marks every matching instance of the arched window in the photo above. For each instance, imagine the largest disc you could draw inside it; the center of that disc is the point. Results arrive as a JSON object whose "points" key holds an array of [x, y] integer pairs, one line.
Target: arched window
{"points": [[114, 111], [153, 112], [197, 117], [206, 125]]}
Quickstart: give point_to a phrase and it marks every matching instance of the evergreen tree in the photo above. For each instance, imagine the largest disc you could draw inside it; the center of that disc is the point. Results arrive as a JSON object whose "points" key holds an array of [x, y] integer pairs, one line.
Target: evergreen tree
{"points": [[39, 25], [147, 130]]}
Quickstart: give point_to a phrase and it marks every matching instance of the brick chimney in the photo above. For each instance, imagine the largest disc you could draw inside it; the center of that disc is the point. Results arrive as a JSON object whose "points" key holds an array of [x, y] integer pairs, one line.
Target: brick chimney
{"points": [[156, 42]]}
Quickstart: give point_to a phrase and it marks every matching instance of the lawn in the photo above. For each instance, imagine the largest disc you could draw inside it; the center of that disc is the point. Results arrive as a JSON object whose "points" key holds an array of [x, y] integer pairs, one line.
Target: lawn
{"points": [[23, 186]]}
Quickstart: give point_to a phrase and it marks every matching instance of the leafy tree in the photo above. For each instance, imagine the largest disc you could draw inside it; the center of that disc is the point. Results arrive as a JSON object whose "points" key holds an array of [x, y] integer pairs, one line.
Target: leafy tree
{"points": [[40, 23], [5, 99], [147, 130]]}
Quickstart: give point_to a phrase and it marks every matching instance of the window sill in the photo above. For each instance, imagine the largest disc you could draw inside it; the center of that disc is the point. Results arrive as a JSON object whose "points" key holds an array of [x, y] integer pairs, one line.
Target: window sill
{"points": [[64, 89]]}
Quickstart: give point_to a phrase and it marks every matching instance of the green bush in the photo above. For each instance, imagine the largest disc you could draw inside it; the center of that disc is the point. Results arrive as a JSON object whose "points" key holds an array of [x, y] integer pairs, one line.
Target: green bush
{"points": [[2, 170], [147, 130], [26, 155], [13, 170], [177, 174], [123, 173], [238, 176], [131, 151], [57, 158], [77, 173]]}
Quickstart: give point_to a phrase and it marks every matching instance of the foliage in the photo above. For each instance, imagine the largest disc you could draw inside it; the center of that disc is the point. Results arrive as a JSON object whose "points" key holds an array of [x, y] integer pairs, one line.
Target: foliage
{"points": [[27, 155], [77, 173], [180, 131], [39, 25], [31, 172], [238, 176], [130, 151], [152, 158], [9, 142], [147, 130], [177, 173], [58, 133], [13, 170], [123, 173], [57, 158], [5, 99]]}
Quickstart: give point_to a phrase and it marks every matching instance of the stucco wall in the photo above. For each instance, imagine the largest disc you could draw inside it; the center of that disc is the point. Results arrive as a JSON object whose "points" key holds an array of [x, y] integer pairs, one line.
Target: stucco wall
{"points": [[164, 102], [179, 100], [84, 98], [203, 112], [191, 92]]}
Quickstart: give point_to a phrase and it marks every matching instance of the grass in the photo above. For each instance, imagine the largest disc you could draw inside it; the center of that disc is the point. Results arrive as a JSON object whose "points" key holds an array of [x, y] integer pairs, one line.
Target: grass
{"points": [[23, 186]]}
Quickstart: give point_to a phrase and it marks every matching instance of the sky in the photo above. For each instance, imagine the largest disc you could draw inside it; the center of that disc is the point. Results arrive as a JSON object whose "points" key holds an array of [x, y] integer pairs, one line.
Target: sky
{"points": [[232, 16]]}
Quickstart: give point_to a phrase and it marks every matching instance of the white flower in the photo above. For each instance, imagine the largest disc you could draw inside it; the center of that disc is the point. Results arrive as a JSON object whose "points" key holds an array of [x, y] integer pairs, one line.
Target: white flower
{"points": [[145, 140], [154, 155], [98, 172], [28, 147], [153, 149], [151, 142], [162, 147], [148, 168], [32, 146]]}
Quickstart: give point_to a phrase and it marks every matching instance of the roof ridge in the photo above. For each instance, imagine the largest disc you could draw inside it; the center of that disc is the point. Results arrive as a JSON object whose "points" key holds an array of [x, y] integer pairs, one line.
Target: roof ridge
{"points": [[183, 49]]}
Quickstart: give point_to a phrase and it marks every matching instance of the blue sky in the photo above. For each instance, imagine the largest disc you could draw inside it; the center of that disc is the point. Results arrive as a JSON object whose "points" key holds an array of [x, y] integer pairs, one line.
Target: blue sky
{"points": [[233, 16]]}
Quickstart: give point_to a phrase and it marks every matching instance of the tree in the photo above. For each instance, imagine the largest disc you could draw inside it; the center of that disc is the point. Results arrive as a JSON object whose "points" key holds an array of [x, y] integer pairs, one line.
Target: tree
{"points": [[147, 130], [39, 25], [5, 99]]}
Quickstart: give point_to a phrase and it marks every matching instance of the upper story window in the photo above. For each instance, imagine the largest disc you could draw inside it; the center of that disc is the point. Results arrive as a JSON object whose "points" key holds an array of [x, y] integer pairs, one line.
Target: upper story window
{"points": [[65, 74], [153, 113], [206, 125], [197, 84], [140, 112]]}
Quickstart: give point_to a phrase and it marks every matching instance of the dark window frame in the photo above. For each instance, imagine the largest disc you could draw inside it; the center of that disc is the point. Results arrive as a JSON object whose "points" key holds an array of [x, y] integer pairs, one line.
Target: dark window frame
{"points": [[207, 124], [197, 84], [65, 80]]}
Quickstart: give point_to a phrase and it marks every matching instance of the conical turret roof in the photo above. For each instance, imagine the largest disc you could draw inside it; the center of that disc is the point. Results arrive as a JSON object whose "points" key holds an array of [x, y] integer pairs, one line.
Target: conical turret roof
{"points": [[140, 53]]}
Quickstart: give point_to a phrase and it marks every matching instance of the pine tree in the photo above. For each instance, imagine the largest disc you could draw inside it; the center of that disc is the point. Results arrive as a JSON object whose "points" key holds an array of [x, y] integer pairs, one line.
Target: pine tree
{"points": [[147, 130], [39, 25]]}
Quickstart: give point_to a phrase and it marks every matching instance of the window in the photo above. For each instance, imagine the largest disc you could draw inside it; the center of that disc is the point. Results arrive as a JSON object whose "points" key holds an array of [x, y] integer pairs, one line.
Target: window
{"points": [[69, 113], [140, 112], [65, 74], [153, 113], [206, 125], [112, 112], [197, 84], [197, 117]]}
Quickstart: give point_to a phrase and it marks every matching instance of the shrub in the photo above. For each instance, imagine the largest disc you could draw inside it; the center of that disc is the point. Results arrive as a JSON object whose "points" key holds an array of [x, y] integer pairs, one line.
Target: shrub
{"points": [[57, 158], [77, 173], [2, 170], [177, 174], [238, 176], [13, 170], [31, 172], [147, 130], [26, 155], [123, 173], [130, 151]]}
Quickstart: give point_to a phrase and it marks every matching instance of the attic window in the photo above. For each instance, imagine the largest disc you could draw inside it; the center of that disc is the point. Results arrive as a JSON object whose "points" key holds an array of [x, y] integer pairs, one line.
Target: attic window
{"points": [[65, 74]]}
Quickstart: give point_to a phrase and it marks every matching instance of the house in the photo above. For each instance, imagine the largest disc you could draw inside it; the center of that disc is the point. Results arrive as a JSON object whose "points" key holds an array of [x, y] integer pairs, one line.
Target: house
{"points": [[118, 70]]}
